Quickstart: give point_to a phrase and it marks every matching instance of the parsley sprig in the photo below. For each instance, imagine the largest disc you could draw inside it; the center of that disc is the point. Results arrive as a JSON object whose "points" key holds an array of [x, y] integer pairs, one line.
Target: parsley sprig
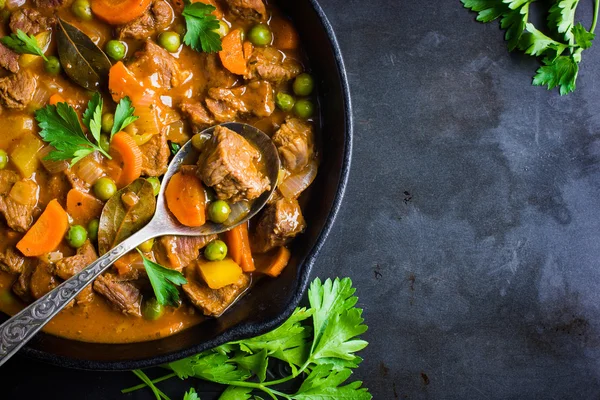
{"points": [[560, 50], [60, 127], [318, 343], [201, 26], [21, 43], [164, 282]]}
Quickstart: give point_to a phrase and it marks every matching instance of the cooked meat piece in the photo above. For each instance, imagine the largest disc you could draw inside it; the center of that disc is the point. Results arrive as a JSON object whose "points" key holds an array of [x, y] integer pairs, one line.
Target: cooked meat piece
{"points": [[217, 75], [58, 187], [220, 110], [196, 113], [278, 224], [123, 295], [155, 155], [269, 64], [210, 301], [9, 59], [228, 165], [159, 65], [16, 90], [294, 141], [12, 261], [178, 251], [30, 21], [7, 179], [248, 9], [22, 285], [42, 280], [69, 266], [49, 3], [76, 181], [157, 18], [19, 217], [256, 98]]}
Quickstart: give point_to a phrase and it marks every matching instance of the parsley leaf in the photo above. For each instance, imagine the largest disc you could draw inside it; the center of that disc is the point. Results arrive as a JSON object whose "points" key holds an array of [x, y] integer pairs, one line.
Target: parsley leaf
{"points": [[123, 116], [236, 393], [191, 395], [201, 26], [561, 73], [322, 383], [210, 366], [256, 363], [92, 117], [164, 282], [488, 10], [175, 147], [23, 44], [60, 127], [582, 36], [562, 16]]}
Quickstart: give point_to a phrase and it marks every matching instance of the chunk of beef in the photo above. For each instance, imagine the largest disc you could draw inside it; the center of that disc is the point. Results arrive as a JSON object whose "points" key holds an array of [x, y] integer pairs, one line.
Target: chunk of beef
{"points": [[162, 69], [12, 261], [254, 10], [42, 280], [228, 165], [9, 59], [49, 3], [216, 75], [178, 251], [30, 21], [124, 296], [18, 215], [157, 18], [155, 155], [254, 98], [294, 141], [7, 179], [22, 285], [212, 302], [279, 223], [16, 90], [69, 266], [269, 64], [196, 113], [75, 181]]}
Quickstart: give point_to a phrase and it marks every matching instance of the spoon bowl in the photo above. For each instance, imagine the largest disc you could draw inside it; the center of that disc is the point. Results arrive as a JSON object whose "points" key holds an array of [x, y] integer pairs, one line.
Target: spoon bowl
{"points": [[22, 327]]}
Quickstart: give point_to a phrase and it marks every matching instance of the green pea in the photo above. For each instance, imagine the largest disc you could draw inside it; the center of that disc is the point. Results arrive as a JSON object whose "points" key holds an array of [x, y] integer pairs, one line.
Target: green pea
{"points": [[105, 188], [170, 41], [152, 309], [104, 142], [108, 120], [155, 182], [146, 247], [3, 159], [304, 84], [115, 49], [82, 10], [215, 251], [285, 101], [218, 211], [198, 141], [260, 35], [223, 29], [77, 236], [52, 65], [92, 229], [304, 108]]}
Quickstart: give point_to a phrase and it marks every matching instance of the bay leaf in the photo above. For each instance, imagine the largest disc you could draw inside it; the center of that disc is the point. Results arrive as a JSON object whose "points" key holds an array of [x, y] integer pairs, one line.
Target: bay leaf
{"points": [[119, 221], [84, 62]]}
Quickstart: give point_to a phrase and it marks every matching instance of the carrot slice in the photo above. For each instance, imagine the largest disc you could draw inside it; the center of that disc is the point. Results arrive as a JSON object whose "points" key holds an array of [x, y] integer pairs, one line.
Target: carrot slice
{"points": [[83, 207], [238, 246], [55, 99], [186, 199], [128, 156], [278, 263], [122, 82], [286, 37], [232, 55], [118, 12], [47, 232]]}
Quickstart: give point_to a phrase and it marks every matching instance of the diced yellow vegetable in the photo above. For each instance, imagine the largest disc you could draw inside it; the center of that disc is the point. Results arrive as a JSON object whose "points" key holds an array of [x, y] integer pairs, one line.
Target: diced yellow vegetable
{"points": [[43, 39], [24, 154], [218, 274], [13, 127], [142, 139]]}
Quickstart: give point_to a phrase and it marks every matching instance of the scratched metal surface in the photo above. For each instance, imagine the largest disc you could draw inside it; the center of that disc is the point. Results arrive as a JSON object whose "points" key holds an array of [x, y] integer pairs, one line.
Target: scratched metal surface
{"points": [[470, 227]]}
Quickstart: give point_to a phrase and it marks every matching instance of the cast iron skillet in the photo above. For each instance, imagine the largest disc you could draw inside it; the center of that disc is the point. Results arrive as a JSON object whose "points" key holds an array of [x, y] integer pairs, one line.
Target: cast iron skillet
{"points": [[271, 301]]}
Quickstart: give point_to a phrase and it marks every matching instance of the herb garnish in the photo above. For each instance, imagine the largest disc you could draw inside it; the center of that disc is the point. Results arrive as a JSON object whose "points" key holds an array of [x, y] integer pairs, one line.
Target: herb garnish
{"points": [[21, 43], [61, 128], [201, 26], [123, 116], [321, 353], [164, 282], [561, 51]]}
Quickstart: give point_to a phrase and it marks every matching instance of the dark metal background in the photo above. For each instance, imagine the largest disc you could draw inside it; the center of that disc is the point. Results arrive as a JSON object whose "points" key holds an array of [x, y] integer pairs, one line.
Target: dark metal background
{"points": [[470, 226]]}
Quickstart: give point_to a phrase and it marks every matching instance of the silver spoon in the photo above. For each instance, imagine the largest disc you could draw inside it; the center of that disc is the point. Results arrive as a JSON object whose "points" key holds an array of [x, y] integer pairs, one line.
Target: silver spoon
{"points": [[18, 330]]}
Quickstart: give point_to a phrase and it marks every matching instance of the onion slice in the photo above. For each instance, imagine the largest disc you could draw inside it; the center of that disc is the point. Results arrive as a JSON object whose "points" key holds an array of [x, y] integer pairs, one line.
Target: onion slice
{"points": [[51, 166], [295, 184]]}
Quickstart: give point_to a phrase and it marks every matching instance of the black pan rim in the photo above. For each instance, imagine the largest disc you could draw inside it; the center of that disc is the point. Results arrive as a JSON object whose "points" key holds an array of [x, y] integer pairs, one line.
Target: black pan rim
{"points": [[244, 330]]}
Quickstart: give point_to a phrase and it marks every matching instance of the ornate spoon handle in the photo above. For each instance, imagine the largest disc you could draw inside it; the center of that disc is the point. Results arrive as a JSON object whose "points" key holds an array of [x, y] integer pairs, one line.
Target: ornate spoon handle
{"points": [[19, 329]]}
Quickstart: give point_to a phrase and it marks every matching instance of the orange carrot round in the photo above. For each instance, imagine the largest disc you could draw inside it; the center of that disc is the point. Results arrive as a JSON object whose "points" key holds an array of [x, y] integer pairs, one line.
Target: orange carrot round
{"points": [[128, 156], [118, 12], [47, 232], [238, 247], [278, 262], [186, 199], [232, 55], [83, 207], [55, 99]]}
